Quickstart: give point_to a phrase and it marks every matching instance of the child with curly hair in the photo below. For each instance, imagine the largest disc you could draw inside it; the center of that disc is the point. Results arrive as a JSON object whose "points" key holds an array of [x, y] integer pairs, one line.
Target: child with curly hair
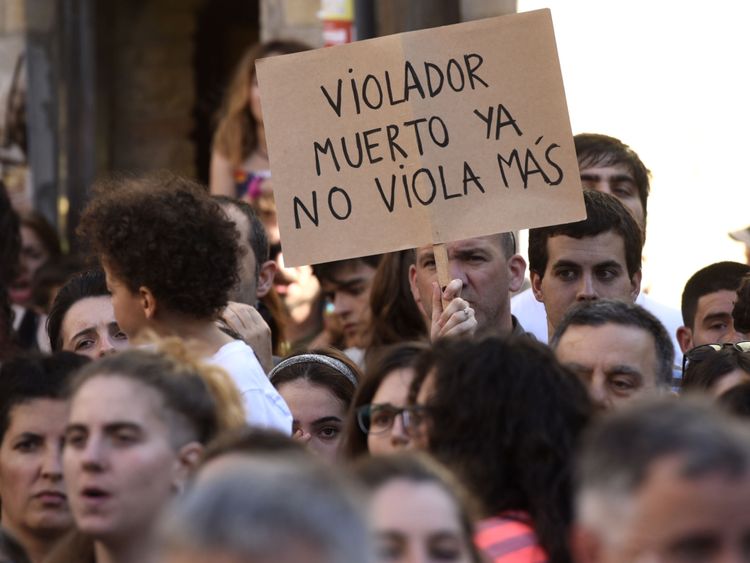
{"points": [[170, 257]]}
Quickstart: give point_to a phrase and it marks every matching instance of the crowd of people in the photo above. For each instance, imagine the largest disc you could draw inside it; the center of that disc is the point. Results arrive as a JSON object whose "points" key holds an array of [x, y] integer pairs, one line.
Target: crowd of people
{"points": [[171, 392]]}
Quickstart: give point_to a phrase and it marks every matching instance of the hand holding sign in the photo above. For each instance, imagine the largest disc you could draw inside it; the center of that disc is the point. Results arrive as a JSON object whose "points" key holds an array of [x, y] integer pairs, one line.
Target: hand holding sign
{"points": [[419, 138], [451, 315]]}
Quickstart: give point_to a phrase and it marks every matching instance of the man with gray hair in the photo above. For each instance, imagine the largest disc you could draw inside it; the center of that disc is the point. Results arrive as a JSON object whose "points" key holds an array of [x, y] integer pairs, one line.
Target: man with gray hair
{"points": [[664, 481], [267, 510], [619, 350]]}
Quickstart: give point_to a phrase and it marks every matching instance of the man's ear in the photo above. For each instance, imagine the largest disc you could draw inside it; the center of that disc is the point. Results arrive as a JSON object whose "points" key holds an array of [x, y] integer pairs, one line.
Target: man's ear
{"points": [[265, 278], [147, 301], [635, 284], [188, 458], [516, 272], [685, 338], [415, 289], [536, 286]]}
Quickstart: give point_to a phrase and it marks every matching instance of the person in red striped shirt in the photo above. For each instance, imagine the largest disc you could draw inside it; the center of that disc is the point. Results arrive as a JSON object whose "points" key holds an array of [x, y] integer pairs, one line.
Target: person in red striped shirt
{"points": [[504, 416]]}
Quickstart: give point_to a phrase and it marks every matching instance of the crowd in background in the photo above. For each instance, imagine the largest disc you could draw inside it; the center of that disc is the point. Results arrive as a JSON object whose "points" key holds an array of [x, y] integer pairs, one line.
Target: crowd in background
{"points": [[172, 392]]}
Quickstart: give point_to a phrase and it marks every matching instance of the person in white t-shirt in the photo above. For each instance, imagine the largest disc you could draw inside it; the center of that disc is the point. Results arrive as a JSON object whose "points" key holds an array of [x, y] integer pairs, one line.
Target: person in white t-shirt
{"points": [[170, 257], [607, 165]]}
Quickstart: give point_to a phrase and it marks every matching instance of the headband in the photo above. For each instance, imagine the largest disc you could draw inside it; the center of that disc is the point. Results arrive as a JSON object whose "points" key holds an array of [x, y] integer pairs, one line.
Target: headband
{"points": [[338, 365]]}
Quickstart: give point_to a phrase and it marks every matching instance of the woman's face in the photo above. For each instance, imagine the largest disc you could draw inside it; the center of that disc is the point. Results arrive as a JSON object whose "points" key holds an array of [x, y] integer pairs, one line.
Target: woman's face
{"points": [[393, 392], [318, 416], [728, 381], [33, 256], [31, 478], [417, 523], [120, 464], [89, 328]]}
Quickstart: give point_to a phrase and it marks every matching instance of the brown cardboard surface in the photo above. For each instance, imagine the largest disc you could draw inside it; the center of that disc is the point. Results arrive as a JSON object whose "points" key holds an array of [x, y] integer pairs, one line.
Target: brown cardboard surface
{"points": [[463, 178]]}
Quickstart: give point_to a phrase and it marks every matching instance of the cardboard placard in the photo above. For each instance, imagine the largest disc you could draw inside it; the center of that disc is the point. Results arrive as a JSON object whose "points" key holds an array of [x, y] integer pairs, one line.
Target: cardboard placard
{"points": [[419, 138]]}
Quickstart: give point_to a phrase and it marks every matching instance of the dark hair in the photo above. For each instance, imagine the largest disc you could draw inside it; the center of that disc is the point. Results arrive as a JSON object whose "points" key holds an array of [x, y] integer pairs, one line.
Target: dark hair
{"points": [[605, 311], [91, 283], [601, 150], [506, 416], [741, 310], [187, 389], [328, 271], [235, 136], [605, 214], [30, 377], [714, 277], [379, 366], [319, 373], [395, 316], [10, 239], [251, 441], [7, 345], [167, 234], [10, 550], [375, 472], [736, 400], [618, 452], [44, 231], [703, 375], [50, 276], [258, 239]]}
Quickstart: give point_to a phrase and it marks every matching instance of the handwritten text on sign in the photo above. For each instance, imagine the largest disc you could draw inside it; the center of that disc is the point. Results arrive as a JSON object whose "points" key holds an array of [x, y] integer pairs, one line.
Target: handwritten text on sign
{"points": [[419, 138]]}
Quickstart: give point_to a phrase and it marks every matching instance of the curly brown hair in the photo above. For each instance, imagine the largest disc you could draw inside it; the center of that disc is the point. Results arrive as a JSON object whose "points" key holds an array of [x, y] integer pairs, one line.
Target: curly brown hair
{"points": [[165, 233]]}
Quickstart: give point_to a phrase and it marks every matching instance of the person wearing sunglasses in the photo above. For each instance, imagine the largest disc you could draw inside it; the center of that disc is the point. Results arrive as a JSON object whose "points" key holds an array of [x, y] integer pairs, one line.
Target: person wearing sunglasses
{"points": [[716, 368], [707, 303]]}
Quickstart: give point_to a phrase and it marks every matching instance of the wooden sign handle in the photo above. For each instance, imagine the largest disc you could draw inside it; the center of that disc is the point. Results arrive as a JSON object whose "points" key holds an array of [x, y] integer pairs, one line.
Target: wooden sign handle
{"points": [[441, 263]]}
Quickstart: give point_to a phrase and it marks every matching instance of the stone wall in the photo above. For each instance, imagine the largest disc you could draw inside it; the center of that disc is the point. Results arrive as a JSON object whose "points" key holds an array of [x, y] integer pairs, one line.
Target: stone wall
{"points": [[146, 59]]}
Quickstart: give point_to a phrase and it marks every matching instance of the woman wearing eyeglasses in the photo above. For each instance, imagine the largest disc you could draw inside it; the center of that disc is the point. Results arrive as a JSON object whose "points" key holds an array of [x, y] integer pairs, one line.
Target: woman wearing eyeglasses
{"points": [[381, 420]]}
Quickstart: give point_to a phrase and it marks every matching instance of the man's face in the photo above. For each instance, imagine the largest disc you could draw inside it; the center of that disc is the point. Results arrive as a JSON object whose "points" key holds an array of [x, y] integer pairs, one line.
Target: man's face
{"points": [[616, 180], [582, 270], [617, 363], [674, 519], [713, 322], [246, 290], [349, 291], [487, 275]]}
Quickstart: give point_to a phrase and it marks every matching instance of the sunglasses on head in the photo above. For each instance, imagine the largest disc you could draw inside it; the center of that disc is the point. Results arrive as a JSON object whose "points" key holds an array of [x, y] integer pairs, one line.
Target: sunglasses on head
{"points": [[700, 353]]}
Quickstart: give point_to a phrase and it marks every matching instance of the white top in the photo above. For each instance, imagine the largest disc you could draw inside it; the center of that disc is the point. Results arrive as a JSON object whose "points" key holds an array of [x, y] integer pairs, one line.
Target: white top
{"points": [[263, 404], [532, 315]]}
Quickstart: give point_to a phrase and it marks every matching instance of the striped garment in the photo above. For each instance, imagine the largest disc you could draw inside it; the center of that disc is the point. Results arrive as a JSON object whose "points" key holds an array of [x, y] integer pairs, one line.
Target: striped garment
{"points": [[509, 538]]}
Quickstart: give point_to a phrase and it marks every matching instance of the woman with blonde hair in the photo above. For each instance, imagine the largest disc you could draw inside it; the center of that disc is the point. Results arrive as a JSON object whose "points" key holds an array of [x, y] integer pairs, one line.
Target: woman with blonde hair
{"points": [[239, 160]]}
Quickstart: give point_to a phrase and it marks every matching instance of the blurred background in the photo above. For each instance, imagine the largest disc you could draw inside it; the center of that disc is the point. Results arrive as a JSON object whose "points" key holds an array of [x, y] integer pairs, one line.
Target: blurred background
{"points": [[88, 88]]}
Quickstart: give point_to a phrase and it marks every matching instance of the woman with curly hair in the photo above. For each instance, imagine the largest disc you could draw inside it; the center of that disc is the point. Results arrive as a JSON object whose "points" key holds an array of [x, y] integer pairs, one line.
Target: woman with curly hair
{"points": [[170, 256], [505, 417], [239, 161]]}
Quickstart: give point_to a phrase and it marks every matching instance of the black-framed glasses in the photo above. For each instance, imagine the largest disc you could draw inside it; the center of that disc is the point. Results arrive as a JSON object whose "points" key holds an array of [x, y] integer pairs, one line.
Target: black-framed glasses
{"points": [[700, 353], [379, 418]]}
